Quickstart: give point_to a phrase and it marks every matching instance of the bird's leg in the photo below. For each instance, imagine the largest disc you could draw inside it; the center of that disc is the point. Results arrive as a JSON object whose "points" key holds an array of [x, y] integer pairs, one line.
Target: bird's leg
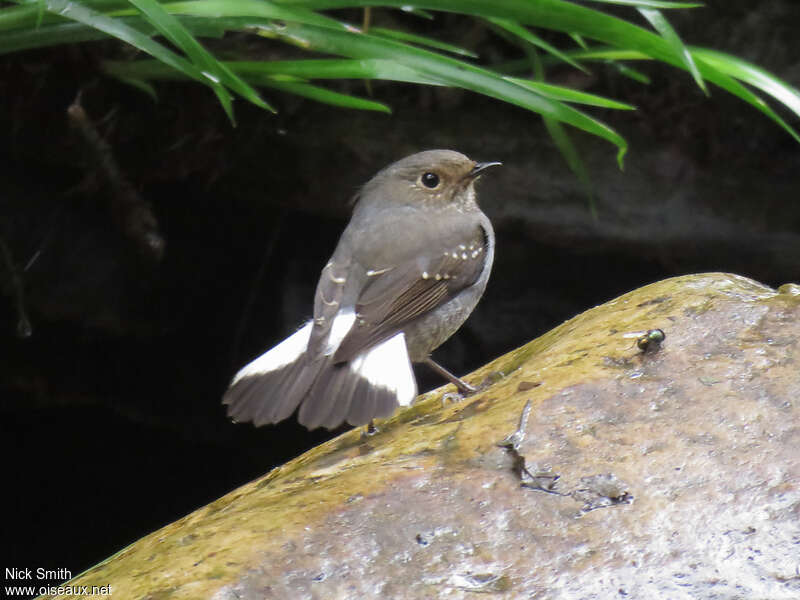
{"points": [[464, 388]]}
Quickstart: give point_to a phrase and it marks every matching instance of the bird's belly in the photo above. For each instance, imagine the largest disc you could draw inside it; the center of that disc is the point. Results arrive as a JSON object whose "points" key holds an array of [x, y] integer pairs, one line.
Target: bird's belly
{"points": [[428, 332]]}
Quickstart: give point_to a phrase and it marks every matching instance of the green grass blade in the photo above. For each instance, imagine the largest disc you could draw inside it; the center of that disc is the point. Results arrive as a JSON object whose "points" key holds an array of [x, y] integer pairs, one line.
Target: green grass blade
{"points": [[665, 29], [55, 34], [326, 96], [629, 72], [141, 85], [258, 72], [445, 70], [561, 139], [40, 12], [333, 68], [523, 34], [118, 29], [287, 76], [579, 40], [752, 75], [574, 161], [212, 69], [48, 35], [652, 3], [417, 12], [31, 14], [219, 9], [565, 94], [572, 18], [420, 41]]}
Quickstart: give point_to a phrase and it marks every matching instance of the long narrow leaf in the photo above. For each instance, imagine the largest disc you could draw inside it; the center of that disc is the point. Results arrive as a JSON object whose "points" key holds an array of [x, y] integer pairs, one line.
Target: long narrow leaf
{"points": [[663, 27], [520, 32], [446, 70], [218, 9], [71, 32], [174, 31], [570, 153], [326, 96], [572, 18], [751, 74], [559, 135], [652, 3], [564, 94], [421, 41], [118, 29], [29, 14], [629, 72], [260, 71], [578, 40], [288, 76]]}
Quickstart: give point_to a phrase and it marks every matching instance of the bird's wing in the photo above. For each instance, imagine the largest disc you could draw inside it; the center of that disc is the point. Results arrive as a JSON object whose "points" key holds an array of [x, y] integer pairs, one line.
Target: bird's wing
{"points": [[396, 294]]}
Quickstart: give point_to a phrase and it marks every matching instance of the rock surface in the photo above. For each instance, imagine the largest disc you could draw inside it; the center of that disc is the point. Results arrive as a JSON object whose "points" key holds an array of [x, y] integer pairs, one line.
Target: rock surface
{"points": [[667, 473]]}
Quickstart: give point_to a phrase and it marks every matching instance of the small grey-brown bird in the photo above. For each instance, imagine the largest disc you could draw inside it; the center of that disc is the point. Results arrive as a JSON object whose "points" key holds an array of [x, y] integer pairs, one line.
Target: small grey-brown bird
{"points": [[407, 272]]}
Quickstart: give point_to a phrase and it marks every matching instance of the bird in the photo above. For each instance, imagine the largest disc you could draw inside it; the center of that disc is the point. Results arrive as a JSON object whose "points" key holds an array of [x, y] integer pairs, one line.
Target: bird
{"points": [[407, 271]]}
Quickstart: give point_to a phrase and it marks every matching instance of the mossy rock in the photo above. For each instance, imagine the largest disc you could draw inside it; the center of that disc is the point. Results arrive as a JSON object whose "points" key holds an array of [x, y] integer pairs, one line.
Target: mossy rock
{"points": [[667, 473]]}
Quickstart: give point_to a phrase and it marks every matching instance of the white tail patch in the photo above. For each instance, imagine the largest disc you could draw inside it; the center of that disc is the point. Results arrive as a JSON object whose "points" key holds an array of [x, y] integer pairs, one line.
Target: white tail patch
{"points": [[387, 365], [342, 323], [288, 351]]}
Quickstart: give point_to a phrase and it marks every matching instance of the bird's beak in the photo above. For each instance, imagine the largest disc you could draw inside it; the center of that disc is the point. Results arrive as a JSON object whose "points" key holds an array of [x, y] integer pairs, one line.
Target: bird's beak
{"points": [[480, 167]]}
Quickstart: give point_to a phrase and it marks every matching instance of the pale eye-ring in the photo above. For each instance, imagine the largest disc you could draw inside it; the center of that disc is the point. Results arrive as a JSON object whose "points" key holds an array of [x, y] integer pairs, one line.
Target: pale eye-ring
{"points": [[430, 180]]}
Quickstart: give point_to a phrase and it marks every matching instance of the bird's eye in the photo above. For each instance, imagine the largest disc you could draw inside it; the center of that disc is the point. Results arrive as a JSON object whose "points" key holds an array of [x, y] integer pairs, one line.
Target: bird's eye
{"points": [[430, 180]]}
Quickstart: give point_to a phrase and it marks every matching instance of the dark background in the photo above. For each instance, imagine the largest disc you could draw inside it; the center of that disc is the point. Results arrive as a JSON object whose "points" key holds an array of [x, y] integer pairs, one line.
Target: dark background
{"points": [[110, 411]]}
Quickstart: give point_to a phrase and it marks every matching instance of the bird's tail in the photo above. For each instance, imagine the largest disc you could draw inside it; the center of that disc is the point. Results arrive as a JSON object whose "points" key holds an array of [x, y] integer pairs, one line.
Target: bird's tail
{"points": [[369, 386], [269, 389]]}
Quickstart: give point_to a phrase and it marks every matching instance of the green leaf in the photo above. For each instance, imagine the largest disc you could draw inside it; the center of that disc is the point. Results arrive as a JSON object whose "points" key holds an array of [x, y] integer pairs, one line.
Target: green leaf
{"points": [[258, 72], [217, 9], [445, 70], [578, 40], [565, 94], [141, 85], [118, 29], [652, 3], [630, 72], [751, 74], [40, 13], [520, 32], [420, 41], [210, 67], [333, 68], [567, 149], [572, 18], [326, 96], [54, 34], [559, 135], [662, 26], [424, 14]]}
